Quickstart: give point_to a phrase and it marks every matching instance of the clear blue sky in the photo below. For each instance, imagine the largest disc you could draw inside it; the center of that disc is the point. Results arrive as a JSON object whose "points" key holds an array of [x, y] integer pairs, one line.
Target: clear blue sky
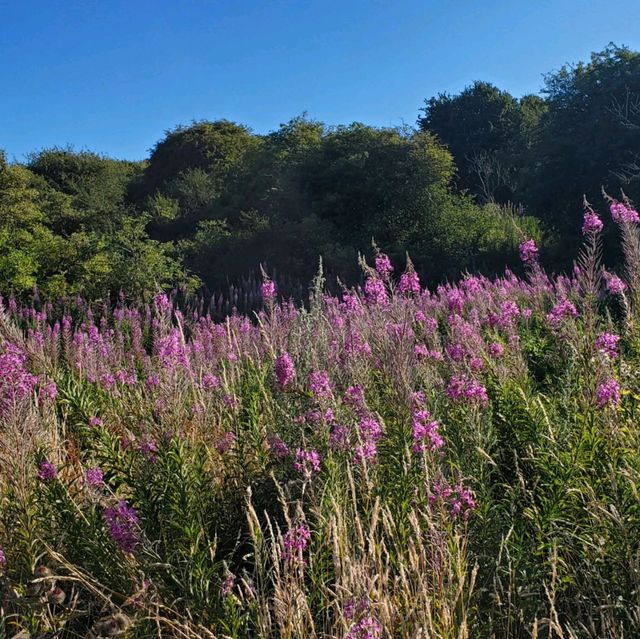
{"points": [[112, 75]]}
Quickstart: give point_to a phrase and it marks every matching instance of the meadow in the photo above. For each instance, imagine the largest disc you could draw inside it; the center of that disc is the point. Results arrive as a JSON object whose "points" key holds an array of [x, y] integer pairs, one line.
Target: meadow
{"points": [[389, 462]]}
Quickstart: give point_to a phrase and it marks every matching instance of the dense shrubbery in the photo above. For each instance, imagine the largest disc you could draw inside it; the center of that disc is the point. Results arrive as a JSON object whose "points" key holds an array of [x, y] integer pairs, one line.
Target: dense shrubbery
{"points": [[214, 200], [387, 462]]}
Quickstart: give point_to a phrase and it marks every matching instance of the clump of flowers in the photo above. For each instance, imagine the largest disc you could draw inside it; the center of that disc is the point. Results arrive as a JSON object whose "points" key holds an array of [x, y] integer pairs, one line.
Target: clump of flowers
{"points": [[623, 214], [226, 442], [608, 393], [47, 471], [94, 477], [375, 292], [295, 542], [367, 628], [16, 382], [307, 462], [320, 384], [285, 370], [425, 432], [277, 446], [409, 283], [149, 449], [268, 290], [3, 560], [459, 500], [122, 524], [463, 389], [496, 350], [228, 584], [607, 344], [528, 252], [592, 223], [615, 286], [561, 311], [384, 268]]}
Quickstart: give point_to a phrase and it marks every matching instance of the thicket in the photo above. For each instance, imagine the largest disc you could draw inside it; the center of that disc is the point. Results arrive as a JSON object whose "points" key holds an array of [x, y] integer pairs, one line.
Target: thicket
{"points": [[213, 201]]}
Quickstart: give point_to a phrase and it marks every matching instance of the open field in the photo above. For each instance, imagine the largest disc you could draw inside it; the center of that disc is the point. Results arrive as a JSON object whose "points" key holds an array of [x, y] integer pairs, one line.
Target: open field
{"points": [[391, 462]]}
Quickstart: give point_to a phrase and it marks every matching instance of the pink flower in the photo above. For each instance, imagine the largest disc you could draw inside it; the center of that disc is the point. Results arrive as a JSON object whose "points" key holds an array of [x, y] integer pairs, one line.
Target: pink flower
{"points": [[307, 462], [614, 284], [384, 268], [560, 312], [607, 343], [496, 350], [375, 291], [226, 442], [621, 213], [528, 252], [277, 446], [94, 477], [409, 283], [320, 384], [268, 291], [295, 542], [425, 433], [47, 471], [285, 370], [592, 223], [366, 628], [608, 393]]}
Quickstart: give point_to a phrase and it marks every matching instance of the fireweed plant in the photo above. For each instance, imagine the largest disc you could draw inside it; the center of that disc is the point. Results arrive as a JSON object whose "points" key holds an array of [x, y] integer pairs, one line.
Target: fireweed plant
{"points": [[392, 462]]}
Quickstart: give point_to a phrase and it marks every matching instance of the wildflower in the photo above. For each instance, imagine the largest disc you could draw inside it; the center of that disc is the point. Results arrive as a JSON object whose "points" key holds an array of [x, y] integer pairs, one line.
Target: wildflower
{"points": [[47, 471], [94, 477], [210, 381], [425, 433], [592, 223], [152, 381], [228, 584], [608, 393], [560, 312], [226, 442], [338, 437], [455, 301], [614, 284], [162, 303], [384, 268], [365, 452], [295, 542], [285, 370], [320, 384], [122, 523], [607, 343], [496, 350], [3, 560], [48, 390], [268, 291], [16, 383], [459, 500], [621, 213], [409, 283], [366, 628], [528, 252], [375, 291], [277, 446], [461, 388], [307, 462], [370, 429], [149, 449], [354, 397]]}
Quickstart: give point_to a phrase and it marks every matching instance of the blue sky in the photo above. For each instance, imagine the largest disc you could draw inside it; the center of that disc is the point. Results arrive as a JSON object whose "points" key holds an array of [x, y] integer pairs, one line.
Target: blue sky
{"points": [[113, 75]]}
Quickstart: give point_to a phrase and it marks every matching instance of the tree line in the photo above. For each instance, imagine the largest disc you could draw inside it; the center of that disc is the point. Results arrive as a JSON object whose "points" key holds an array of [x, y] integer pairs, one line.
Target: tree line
{"points": [[480, 171]]}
